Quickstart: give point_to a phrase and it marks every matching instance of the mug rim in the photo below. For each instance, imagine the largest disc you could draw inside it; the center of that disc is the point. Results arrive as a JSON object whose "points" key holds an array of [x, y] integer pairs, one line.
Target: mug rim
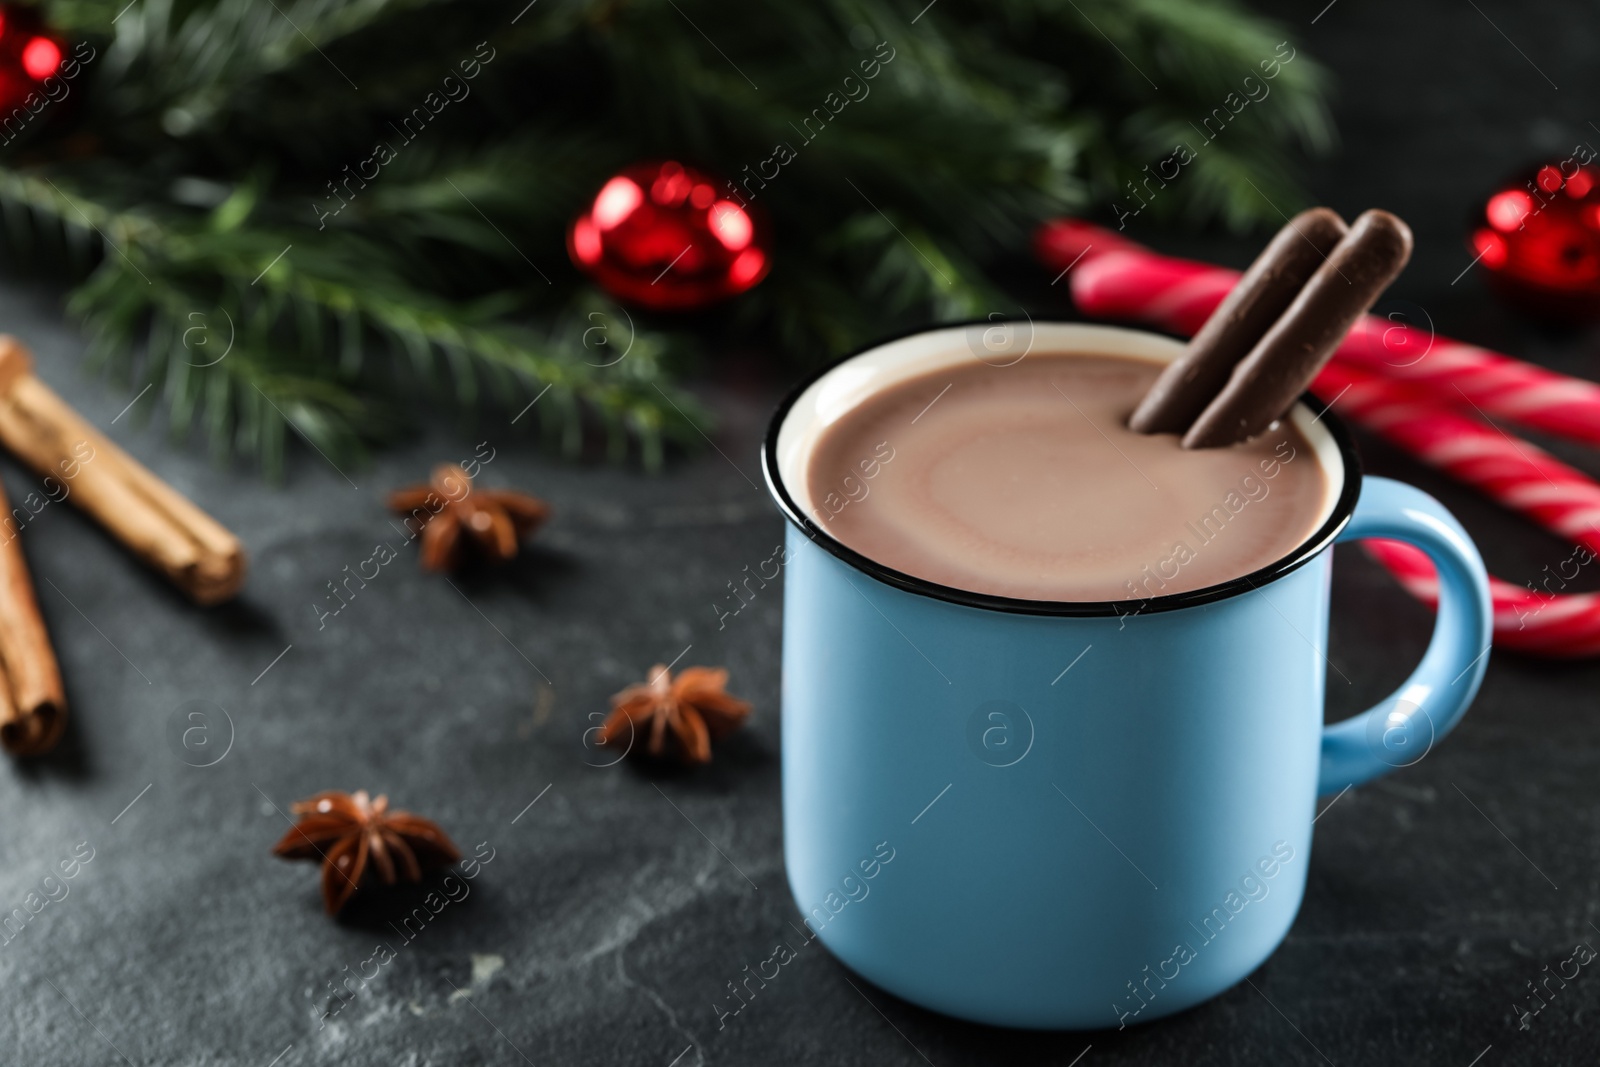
{"points": [[1320, 539]]}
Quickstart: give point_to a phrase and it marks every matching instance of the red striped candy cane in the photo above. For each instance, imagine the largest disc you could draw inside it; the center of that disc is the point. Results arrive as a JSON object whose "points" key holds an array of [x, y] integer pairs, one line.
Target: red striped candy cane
{"points": [[1538, 617], [1112, 277]]}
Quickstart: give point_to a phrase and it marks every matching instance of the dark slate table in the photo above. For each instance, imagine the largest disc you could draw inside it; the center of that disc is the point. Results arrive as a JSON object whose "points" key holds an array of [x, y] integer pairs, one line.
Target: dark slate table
{"points": [[618, 904]]}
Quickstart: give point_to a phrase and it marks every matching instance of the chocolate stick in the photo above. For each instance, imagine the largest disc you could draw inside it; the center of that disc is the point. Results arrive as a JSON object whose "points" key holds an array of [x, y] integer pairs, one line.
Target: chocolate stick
{"points": [[33, 704], [1278, 369], [157, 523], [1248, 311]]}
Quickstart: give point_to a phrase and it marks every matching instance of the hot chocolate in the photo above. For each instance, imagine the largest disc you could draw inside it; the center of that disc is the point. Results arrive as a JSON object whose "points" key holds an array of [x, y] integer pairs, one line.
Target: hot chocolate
{"points": [[1025, 481]]}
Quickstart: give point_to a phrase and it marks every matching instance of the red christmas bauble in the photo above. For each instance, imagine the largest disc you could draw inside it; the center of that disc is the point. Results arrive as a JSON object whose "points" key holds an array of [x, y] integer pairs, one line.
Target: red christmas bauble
{"points": [[28, 55], [1540, 240], [667, 237]]}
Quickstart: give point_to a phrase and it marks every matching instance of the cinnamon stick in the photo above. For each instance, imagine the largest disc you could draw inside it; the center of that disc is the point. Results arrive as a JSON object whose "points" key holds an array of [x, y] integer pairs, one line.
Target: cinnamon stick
{"points": [[33, 704], [151, 518], [1280, 367], [1259, 299]]}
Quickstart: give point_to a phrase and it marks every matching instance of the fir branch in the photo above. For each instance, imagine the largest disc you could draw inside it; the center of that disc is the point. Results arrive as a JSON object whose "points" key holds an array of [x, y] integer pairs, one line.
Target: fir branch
{"points": [[328, 294]]}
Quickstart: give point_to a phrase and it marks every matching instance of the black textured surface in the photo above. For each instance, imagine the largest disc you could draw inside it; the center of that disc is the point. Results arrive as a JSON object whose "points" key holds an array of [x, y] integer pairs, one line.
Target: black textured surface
{"points": [[617, 906]]}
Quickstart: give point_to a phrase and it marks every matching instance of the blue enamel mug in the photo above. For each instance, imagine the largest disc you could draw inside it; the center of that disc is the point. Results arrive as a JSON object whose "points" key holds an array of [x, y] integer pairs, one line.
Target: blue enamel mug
{"points": [[1077, 815]]}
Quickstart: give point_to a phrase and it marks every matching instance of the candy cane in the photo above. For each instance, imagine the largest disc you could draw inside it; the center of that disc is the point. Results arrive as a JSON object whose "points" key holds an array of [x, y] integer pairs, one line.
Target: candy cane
{"points": [[1112, 277], [1412, 388], [1534, 618]]}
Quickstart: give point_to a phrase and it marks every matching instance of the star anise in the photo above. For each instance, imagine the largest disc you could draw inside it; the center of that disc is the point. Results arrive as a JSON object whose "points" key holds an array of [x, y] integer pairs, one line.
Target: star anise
{"points": [[355, 836], [695, 707], [450, 506]]}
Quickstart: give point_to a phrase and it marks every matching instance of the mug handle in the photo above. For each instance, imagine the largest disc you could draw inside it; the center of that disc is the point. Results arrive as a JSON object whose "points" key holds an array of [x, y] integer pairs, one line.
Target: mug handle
{"points": [[1401, 729]]}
